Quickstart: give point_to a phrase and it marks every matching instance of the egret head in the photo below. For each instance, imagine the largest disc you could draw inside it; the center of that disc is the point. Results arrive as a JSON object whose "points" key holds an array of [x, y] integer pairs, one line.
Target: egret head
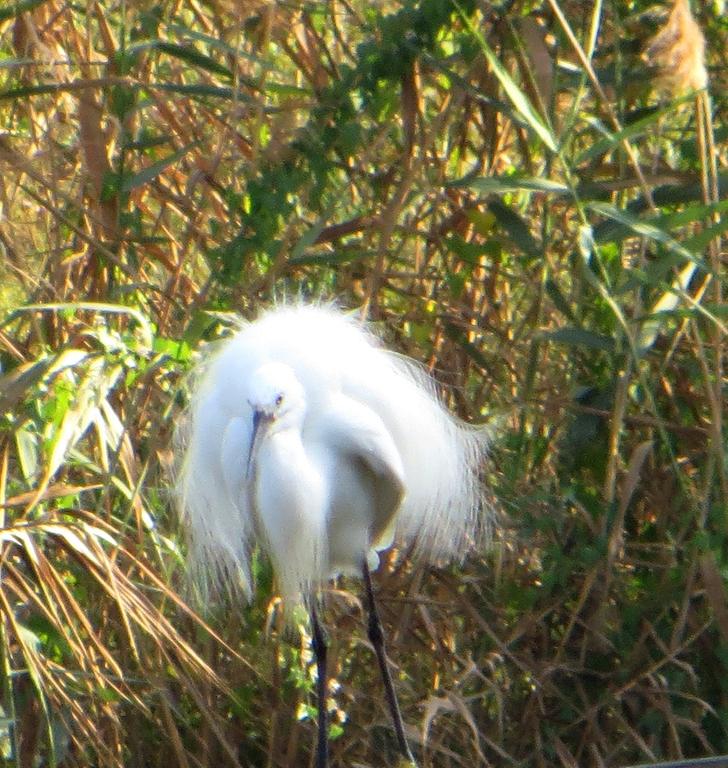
{"points": [[277, 400], [274, 392]]}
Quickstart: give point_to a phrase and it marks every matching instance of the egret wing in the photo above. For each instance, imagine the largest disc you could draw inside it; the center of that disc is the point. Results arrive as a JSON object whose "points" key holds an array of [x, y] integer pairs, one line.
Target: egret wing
{"points": [[358, 434]]}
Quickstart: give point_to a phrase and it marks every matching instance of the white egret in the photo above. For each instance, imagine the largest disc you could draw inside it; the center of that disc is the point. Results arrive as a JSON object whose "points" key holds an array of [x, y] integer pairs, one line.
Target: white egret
{"points": [[311, 440]]}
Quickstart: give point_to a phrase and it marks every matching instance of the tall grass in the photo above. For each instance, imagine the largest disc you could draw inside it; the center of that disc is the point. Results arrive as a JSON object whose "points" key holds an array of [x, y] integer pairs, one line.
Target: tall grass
{"points": [[517, 198]]}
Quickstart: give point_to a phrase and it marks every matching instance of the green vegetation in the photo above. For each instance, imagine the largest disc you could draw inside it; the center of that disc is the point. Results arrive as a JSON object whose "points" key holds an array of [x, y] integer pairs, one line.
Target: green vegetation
{"points": [[513, 202]]}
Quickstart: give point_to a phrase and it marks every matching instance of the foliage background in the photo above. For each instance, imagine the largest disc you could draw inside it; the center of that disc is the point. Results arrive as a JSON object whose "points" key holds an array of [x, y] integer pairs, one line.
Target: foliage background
{"points": [[505, 192]]}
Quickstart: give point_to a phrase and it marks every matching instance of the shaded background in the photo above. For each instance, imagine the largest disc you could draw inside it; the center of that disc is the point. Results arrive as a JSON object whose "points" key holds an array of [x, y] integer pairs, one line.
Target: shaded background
{"points": [[518, 200]]}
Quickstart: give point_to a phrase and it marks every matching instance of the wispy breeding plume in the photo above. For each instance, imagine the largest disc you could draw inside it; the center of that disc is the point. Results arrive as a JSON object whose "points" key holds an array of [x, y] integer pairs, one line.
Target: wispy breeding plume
{"points": [[678, 52]]}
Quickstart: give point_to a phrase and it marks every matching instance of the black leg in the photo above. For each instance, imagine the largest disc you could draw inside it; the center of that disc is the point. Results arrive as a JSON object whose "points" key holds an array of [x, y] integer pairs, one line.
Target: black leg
{"points": [[319, 650], [376, 637]]}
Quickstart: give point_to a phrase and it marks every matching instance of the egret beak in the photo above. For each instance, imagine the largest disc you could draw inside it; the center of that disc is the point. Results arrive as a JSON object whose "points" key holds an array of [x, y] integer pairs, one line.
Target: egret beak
{"points": [[259, 418]]}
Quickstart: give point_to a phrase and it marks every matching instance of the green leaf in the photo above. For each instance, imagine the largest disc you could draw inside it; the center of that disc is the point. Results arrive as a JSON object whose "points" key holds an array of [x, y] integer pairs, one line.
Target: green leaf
{"points": [[695, 212], [152, 171], [662, 308], [470, 253], [91, 387], [515, 227], [32, 90], [638, 128], [644, 228], [502, 184], [307, 239], [185, 53], [174, 348], [286, 89], [17, 383], [147, 141], [559, 300], [482, 221], [476, 95], [204, 90], [473, 352], [91, 306], [220, 45], [18, 7], [514, 93], [689, 191], [616, 229], [331, 258], [700, 241], [653, 274], [578, 337], [186, 89], [27, 446]]}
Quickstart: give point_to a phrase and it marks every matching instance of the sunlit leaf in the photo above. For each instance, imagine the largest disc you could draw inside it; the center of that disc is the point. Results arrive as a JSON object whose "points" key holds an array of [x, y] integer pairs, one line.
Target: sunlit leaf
{"points": [[502, 184], [27, 444], [154, 169], [515, 94]]}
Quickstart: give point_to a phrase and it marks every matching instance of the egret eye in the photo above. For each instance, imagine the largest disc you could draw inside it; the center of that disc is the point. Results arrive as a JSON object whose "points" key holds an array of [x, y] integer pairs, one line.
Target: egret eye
{"points": [[279, 400]]}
